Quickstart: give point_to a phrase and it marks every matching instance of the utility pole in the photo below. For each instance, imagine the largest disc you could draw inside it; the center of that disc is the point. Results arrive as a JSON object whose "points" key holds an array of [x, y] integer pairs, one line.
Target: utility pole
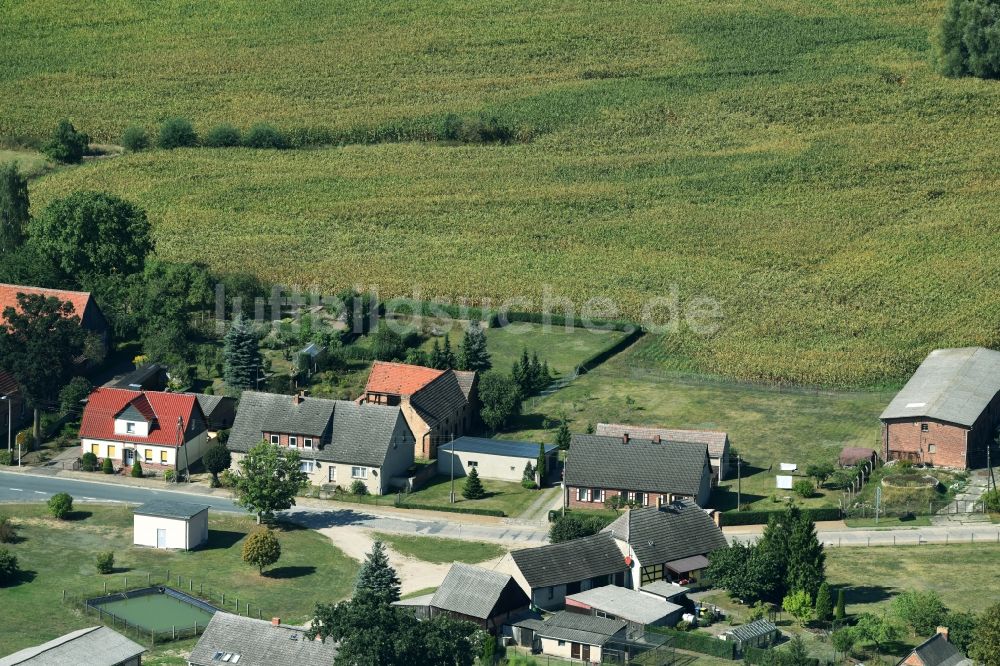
{"points": [[739, 482], [9, 402], [180, 445], [452, 494]]}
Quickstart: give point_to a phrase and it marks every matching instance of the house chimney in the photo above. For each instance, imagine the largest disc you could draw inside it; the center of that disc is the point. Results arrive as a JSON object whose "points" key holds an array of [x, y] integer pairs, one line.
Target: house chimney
{"points": [[625, 438], [275, 621], [299, 397], [943, 631], [656, 439]]}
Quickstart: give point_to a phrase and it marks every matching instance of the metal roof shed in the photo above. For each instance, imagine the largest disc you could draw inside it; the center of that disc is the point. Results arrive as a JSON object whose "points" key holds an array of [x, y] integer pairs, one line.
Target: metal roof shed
{"points": [[168, 524], [625, 604]]}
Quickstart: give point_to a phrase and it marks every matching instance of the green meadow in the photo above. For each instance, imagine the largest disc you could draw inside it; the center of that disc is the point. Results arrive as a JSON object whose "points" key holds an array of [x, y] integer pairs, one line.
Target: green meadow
{"points": [[799, 164]]}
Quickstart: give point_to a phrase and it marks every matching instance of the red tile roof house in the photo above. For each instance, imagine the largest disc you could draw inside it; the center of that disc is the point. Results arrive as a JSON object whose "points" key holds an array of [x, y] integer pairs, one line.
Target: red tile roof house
{"points": [[84, 305], [438, 404], [948, 412], [165, 431], [716, 440]]}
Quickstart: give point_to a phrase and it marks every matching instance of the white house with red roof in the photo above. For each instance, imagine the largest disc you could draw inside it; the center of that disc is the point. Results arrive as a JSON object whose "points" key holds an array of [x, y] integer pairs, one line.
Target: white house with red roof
{"points": [[162, 430], [438, 404]]}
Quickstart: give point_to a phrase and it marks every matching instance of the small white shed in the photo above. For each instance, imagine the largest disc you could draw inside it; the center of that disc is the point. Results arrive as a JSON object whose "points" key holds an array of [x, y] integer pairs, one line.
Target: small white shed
{"points": [[493, 458], [172, 525]]}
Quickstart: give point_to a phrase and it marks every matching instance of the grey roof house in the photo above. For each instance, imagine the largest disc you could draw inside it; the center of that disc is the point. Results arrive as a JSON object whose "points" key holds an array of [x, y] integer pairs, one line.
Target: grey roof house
{"points": [[667, 543], [219, 410], [484, 597], [232, 639], [936, 651], [339, 442], [571, 635], [647, 471], [549, 573], [94, 646], [716, 440], [948, 412], [621, 603]]}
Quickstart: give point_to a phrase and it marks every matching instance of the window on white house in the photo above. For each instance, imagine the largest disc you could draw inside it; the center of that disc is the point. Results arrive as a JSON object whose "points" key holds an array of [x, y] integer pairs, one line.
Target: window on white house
{"points": [[359, 472], [307, 442], [562, 643], [293, 442], [275, 439], [307, 466], [129, 427], [473, 463], [148, 455]]}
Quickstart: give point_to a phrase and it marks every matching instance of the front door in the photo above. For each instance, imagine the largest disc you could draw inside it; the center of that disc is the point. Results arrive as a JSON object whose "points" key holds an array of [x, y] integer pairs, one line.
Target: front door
{"points": [[574, 650], [129, 453], [161, 538], [586, 653]]}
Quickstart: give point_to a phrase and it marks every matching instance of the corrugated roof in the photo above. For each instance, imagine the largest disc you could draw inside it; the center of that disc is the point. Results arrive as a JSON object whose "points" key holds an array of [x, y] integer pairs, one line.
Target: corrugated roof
{"points": [[626, 604], [496, 447], [570, 561], [104, 404], [658, 535], [94, 646], [953, 385], [259, 643], [597, 461], [474, 591], [399, 378], [576, 627], [752, 630], [715, 440], [170, 509]]}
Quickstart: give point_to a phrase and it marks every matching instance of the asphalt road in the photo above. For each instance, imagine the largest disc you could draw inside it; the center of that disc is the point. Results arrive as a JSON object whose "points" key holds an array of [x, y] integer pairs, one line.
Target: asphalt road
{"points": [[26, 487]]}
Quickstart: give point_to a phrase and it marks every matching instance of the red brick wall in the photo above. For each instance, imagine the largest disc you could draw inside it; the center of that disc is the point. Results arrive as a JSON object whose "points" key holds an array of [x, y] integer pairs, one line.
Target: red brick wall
{"points": [[283, 440], [942, 445], [574, 503]]}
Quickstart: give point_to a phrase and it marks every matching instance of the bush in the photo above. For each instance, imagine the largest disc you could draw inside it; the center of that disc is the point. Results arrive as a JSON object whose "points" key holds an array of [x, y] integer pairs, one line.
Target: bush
{"points": [[136, 470], [968, 41], [73, 394], [804, 488], [88, 462], [227, 478], [731, 518], [169, 475], [451, 508], [108, 466], [6, 458], [176, 133], [8, 566], [922, 611], [358, 487], [699, 642], [135, 139], [60, 505], [8, 534], [223, 136], [261, 548], [574, 525], [263, 135], [991, 501], [105, 562], [66, 145]]}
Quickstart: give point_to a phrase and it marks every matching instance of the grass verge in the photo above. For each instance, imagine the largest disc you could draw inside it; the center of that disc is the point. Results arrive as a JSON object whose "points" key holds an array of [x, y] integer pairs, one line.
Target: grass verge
{"points": [[440, 550]]}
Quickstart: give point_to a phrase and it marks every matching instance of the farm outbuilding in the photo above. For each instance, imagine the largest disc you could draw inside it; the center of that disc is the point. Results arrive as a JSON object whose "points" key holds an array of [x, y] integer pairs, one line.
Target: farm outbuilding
{"points": [[493, 458], [759, 633], [170, 525]]}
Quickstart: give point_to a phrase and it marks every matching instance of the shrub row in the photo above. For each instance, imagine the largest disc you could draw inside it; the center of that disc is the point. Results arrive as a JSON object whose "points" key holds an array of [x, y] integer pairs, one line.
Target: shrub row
{"points": [[695, 642], [761, 517], [562, 320], [452, 509], [603, 355], [471, 129], [770, 657]]}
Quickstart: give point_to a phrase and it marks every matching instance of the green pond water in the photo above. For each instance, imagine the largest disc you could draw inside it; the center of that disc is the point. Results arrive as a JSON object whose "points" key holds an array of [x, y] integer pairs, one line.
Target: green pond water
{"points": [[158, 612]]}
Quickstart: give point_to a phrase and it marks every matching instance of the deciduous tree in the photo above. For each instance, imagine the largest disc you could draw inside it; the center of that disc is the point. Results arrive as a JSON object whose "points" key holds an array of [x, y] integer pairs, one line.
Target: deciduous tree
{"points": [[261, 548], [216, 459], [922, 611], [67, 145], [500, 399], [799, 604], [985, 644], [968, 41], [268, 480], [14, 205]]}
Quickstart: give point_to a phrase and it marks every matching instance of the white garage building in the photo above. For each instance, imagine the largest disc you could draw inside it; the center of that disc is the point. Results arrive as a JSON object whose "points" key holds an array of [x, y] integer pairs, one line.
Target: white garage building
{"points": [[172, 525], [493, 458]]}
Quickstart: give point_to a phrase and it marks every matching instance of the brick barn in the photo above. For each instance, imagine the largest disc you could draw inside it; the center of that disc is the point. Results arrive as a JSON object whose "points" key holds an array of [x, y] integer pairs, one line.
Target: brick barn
{"points": [[948, 412]]}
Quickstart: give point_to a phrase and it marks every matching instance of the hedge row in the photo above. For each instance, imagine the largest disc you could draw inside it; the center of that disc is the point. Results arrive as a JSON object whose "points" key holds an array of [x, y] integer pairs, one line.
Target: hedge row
{"points": [[600, 357], [770, 657], [731, 518], [561, 320], [695, 642], [452, 509]]}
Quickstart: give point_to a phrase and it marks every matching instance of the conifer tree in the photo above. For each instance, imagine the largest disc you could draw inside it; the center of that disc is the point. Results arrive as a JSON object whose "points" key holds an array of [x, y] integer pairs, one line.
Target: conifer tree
{"points": [[535, 374], [841, 611], [472, 353], [448, 360], [528, 477], [806, 559], [824, 604], [540, 466], [473, 488], [435, 358], [242, 358], [377, 577], [522, 373], [563, 436]]}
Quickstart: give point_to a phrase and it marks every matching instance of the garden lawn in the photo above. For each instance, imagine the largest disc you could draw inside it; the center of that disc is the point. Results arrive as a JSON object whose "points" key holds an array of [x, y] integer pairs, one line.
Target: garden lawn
{"points": [[799, 164], [439, 550], [511, 498], [59, 555], [564, 348], [766, 426]]}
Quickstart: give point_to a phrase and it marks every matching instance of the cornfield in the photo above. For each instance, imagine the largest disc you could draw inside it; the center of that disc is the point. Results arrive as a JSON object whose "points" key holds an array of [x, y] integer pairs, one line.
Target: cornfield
{"points": [[800, 164]]}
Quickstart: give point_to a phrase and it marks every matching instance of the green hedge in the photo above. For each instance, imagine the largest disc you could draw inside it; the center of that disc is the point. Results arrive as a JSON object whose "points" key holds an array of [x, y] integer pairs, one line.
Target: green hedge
{"points": [[561, 320], [600, 357], [452, 509], [770, 657], [696, 642], [731, 518]]}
